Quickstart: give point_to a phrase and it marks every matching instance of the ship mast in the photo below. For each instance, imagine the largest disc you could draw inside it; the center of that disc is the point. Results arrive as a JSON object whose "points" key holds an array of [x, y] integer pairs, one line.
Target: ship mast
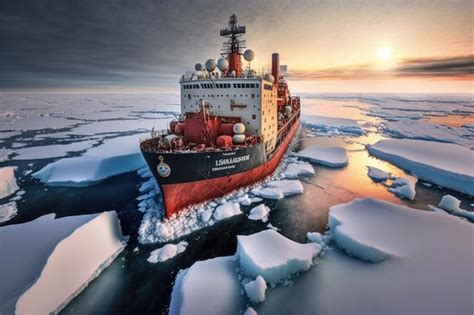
{"points": [[232, 47]]}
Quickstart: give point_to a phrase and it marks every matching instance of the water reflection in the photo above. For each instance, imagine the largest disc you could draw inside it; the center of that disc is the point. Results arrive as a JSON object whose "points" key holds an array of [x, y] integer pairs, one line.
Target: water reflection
{"points": [[450, 120]]}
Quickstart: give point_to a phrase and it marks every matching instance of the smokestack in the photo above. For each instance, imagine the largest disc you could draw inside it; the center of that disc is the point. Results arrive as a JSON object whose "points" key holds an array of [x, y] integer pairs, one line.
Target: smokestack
{"points": [[276, 67]]}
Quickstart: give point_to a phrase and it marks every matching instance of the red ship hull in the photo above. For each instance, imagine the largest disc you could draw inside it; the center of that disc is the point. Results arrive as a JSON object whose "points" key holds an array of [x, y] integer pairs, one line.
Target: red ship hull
{"points": [[180, 195]]}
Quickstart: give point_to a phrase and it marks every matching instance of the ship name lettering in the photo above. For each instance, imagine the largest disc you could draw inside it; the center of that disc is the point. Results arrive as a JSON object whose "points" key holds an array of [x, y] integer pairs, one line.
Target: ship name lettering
{"points": [[233, 160]]}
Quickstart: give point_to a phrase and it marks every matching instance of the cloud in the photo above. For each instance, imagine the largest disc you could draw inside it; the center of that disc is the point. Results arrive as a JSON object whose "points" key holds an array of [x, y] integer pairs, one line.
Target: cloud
{"points": [[454, 67], [356, 72]]}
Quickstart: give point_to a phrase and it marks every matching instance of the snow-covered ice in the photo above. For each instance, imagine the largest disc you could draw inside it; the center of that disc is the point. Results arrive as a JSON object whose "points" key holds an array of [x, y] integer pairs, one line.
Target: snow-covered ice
{"points": [[207, 287], [452, 205], [279, 189], [430, 132], [404, 188], [115, 156], [255, 289], [273, 256], [8, 183], [227, 210], [314, 237], [72, 265], [377, 175], [250, 311], [25, 249], [449, 203], [8, 211], [259, 212], [167, 252], [295, 169], [445, 164], [328, 156], [332, 125], [422, 273], [52, 151]]}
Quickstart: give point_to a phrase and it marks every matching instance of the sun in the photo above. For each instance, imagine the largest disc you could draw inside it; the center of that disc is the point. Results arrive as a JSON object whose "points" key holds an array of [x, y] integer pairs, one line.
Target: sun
{"points": [[384, 53]]}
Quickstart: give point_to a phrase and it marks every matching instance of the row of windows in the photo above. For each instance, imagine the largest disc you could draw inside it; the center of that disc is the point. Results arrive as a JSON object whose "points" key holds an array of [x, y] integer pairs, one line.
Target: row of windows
{"points": [[268, 87], [223, 86], [190, 86], [217, 95]]}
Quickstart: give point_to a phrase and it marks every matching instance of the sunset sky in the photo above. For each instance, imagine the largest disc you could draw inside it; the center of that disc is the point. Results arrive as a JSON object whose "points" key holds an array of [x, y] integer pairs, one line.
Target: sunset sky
{"points": [[329, 46]]}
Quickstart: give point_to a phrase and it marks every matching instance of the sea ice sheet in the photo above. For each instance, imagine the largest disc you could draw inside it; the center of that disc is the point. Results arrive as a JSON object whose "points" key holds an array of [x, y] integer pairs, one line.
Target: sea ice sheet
{"points": [[8, 183], [74, 262], [422, 272], [445, 164], [328, 156], [207, 287], [273, 256], [114, 157]]}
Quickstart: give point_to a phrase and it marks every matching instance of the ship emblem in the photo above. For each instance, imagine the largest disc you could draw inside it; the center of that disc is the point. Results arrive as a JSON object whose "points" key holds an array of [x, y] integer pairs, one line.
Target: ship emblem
{"points": [[163, 169]]}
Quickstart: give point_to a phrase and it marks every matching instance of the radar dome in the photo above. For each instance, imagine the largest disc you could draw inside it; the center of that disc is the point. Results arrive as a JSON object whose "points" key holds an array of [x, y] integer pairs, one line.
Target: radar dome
{"points": [[249, 55], [223, 64], [198, 67], [210, 65], [269, 77]]}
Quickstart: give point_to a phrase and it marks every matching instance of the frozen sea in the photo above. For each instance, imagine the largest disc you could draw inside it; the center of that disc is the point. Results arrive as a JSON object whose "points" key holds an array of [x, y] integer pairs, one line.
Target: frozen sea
{"points": [[64, 150]]}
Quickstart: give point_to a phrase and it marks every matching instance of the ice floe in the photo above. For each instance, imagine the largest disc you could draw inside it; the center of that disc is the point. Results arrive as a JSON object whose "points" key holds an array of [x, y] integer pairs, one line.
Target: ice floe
{"points": [[422, 272], [167, 252], [315, 237], [296, 168], [207, 287], [250, 311], [52, 151], [328, 156], [449, 203], [259, 212], [279, 189], [403, 188], [445, 164], [25, 249], [8, 183], [8, 211], [430, 132], [452, 205], [74, 262], [255, 289], [114, 157], [377, 175], [331, 125], [227, 210], [273, 256]]}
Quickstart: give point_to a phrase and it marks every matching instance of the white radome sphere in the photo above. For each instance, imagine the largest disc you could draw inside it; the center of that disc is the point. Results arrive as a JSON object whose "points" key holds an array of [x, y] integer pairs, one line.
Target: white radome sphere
{"points": [[198, 67], [239, 138], [269, 77], [249, 55], [210, 65], [223, 64], [238, 128]]}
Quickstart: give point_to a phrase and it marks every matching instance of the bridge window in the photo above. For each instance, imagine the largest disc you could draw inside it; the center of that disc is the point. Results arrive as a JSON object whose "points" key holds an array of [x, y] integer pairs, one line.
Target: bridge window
{"points": [[247, 85]]}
